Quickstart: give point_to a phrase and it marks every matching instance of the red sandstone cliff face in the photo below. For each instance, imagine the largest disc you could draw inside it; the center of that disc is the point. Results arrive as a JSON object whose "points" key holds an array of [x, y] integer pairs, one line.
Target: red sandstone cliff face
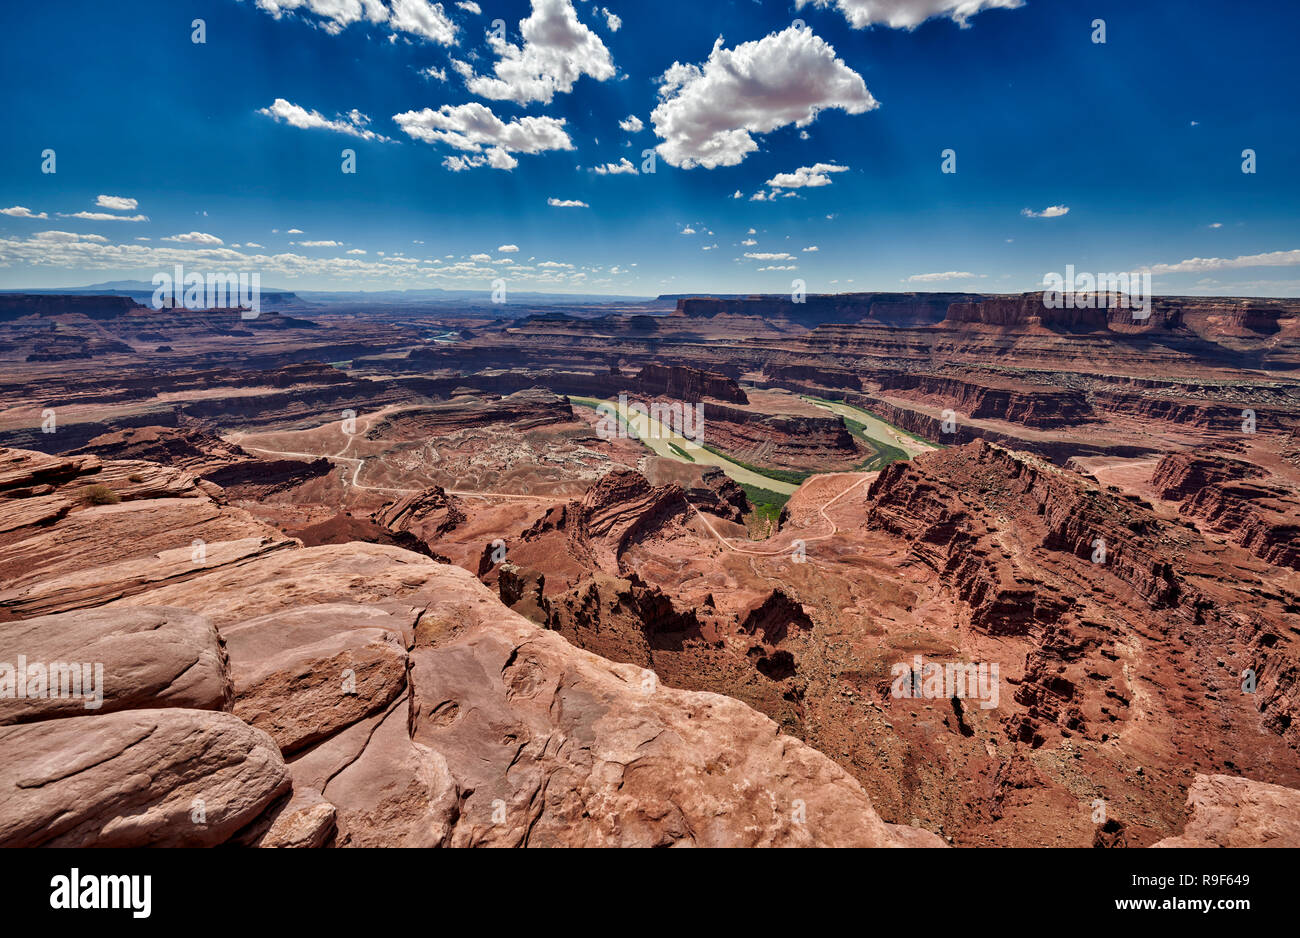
{"points": [[1024, 310], [816, 375], [523, 409], [1029, 405], [1235, 499], [14, 305], [682, 383], [1264, 519], [1190, 413], [1039, 552], [588, 535], [1181, 475], [901, 309], [781, 441]]}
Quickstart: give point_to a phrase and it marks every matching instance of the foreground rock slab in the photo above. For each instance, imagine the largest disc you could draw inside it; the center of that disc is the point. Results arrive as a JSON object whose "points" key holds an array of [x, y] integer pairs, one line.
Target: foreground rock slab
{"points": [[1236, 812], [104, 660], [158, 778], [304, 674]]}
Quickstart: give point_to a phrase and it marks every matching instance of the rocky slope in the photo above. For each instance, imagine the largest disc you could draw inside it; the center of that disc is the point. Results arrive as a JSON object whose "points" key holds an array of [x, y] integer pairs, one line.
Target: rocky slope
{"points": [[361, 695]]}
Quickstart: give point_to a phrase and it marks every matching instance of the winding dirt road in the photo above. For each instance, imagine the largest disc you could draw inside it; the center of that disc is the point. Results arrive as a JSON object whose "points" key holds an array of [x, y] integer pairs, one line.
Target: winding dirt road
{"points": [[360, 463], [807, 540]]}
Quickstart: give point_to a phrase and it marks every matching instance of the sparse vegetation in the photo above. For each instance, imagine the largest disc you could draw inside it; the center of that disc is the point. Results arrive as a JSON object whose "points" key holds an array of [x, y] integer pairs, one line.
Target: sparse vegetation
{"points": [[766, 506], [791, 476], [99, 495], [681, 452], [885, 454]]}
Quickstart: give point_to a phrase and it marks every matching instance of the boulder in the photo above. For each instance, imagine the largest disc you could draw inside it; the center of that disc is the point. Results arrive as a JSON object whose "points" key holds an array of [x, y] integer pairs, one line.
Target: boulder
{"points": [[114, 659], [304, 674], [1227, 811], [137, 778]]}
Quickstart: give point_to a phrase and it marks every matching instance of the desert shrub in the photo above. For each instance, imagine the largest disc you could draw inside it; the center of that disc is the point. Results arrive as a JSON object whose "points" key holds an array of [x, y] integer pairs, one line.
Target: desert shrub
{"points": [[99, 495]]}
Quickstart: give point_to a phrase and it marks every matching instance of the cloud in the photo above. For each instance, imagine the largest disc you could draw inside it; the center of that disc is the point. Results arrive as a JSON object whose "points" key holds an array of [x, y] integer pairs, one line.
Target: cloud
{"points": [[417, 17], [707, 115], [947, 275], [432, 72], [632, 124], [615, 169], [356, 251], [296, 116], [78, 252], [806, 176], [1202, 264], [21, 211], [197, 237], [470, 7], [566, 203], [67, 237], [247, 244], [421, 18], [558, 49], [770, 257], [336, 13], [494, 157], [1216, 224], [613, 19], [319, 244], [117, 203], [482, 258], [508, 249], [811, 249], [294, 231], [749, 242], [474, 128], [102, 216], [908, 14], [688, 230], [1052, 211]]}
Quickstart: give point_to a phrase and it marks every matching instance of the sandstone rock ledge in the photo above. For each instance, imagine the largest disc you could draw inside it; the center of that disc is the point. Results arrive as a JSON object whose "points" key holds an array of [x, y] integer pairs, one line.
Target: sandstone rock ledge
{"points": [[414, 709], [1237, 812]]}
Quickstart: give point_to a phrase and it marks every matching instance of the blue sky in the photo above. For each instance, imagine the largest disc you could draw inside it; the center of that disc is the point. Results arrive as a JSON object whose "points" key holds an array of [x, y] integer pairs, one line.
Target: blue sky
{"points": [[228, 153]]}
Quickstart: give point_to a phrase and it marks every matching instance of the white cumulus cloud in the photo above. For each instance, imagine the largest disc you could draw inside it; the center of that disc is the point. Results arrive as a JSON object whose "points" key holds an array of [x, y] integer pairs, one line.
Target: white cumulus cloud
{"points": [[197, 237], [806, 176], [616, 169], [1052, 211], [908, 14], [21, 211], [474, 128], [117, 203], [421, 18], [353, 123], [416, 17], [707, 115], [558, 49], [566, 203]]}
